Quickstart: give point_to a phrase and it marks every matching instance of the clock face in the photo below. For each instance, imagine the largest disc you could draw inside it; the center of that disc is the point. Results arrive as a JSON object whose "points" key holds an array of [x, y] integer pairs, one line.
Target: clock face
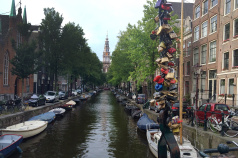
{"points": [[106, 53]]}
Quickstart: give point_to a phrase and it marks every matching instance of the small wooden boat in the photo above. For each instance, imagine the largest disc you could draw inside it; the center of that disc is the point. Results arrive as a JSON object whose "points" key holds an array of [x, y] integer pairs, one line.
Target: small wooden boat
{"points": [[26, 129], [58, 111], [144, 120], [67, 107], [153, 136], [48, 116], [72, 103], [9, 143]]}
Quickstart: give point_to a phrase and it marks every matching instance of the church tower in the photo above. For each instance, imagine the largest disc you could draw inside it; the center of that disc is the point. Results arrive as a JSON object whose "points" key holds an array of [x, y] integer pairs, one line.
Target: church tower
{"points": [[106, 56]]}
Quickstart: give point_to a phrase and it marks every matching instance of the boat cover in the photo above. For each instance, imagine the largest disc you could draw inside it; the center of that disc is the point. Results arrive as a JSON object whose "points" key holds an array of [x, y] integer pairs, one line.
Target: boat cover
{"points": [[48, 116], [144, 119]]}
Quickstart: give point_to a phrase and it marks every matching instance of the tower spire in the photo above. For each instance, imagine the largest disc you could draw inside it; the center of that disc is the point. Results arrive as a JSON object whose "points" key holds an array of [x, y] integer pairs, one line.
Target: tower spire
{"points": [[24, 16], [13, 9]]}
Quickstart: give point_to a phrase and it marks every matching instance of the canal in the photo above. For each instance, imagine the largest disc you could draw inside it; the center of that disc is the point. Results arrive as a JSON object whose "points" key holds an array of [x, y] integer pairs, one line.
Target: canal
{"points": [[99, 128]]}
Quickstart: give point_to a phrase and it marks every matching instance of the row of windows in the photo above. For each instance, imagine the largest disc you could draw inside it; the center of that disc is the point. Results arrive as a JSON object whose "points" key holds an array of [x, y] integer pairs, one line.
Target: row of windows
{"points": [[230, 86], [204, 27], [203, 53], [225, 64], [227, 7], [204, 8], [227, 32]]}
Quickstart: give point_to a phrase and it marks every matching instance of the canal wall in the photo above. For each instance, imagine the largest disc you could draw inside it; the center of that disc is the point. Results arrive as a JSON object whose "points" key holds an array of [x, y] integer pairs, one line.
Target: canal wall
{"points": [[18, 117], [199, 138]]}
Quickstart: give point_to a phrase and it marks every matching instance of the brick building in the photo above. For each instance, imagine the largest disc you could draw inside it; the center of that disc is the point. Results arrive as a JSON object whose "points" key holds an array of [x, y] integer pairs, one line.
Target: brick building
{"points": [[214, 51], [10, 84]]}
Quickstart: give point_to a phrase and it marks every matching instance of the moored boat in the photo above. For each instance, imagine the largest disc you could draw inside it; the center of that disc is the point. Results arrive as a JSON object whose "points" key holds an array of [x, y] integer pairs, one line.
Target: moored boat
{"points": [[58, 111], [26, 129], [48, 116], [153, 136], [9, 143], [67, 107], [144, 120]]}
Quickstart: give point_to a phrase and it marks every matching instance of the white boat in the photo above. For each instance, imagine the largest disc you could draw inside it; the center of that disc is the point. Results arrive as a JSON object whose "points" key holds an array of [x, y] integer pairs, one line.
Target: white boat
{"points": [[26, 129], [153, 137], [58, 111]]}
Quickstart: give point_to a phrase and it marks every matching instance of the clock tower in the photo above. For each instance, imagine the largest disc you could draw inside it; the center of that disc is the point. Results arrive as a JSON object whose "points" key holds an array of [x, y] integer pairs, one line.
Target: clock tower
{"points": [[106, 56]]}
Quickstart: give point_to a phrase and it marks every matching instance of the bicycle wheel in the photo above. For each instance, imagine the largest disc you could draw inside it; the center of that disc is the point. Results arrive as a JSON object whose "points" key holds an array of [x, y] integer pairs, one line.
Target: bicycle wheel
{"points": [[232, 130], [212, 125]]}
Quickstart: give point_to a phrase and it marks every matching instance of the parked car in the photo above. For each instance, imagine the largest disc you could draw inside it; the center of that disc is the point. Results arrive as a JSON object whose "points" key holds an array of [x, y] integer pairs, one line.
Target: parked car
{"points": [[79, 91], [63, 95], [209, 108], [175, 108], [51, 96], [141, 99], [74, 92], [37, 100]]}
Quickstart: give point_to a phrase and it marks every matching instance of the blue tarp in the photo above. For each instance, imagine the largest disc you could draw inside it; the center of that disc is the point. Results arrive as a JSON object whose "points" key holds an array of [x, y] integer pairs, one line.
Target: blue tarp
{"points": [[141, 124], [48, 116]]}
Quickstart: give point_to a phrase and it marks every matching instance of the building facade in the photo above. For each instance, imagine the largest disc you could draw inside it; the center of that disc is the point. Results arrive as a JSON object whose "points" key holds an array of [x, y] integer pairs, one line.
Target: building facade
{"points": [[11, 85], [106, 56], [214, 52]]}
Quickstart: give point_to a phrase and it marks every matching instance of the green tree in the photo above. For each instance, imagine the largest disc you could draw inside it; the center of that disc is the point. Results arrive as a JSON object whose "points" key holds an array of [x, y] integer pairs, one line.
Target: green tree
{"points": [[50, 42], [25, 61]]}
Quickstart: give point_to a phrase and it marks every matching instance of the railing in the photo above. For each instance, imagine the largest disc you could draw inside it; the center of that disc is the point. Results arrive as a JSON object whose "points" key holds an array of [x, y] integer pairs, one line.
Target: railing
{"points": [[195, 120]]}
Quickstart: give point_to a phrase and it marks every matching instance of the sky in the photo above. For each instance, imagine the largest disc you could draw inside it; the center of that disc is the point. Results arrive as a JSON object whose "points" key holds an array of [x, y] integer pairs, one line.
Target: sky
{"points": [[98, 18]]}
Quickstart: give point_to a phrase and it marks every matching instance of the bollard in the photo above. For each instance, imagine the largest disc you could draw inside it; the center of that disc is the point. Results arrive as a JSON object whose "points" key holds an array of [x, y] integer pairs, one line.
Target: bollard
{"points": [[222, 126], [192, 118], [205, 120]]}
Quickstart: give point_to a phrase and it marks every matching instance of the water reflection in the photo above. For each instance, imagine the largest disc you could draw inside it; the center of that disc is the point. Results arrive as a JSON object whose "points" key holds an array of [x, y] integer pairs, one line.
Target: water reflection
{"points": [[99, 128]]}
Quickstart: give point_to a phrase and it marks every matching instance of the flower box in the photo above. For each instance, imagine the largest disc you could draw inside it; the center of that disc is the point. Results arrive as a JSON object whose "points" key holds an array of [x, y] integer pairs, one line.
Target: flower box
{"points": [[230, 95], [235, 36], [221, 95], [226, 40], [235, 67]]}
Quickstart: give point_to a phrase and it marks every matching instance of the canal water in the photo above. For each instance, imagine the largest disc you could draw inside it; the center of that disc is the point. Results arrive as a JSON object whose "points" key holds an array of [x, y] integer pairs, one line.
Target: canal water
{"points": [[99, 128]]}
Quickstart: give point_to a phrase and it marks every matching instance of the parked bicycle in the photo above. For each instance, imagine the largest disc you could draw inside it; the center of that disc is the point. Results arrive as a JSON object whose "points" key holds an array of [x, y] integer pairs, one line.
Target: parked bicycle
{"points": [[222, 149], [230, 127]]}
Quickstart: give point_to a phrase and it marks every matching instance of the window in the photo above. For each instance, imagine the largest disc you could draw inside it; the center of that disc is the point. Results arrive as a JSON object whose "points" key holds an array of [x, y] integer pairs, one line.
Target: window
{"points": [[227, 6], [196, 33], [204, 29], [227, 32], [212, 57], [212, 84], [226, 61], [6, 67], [19, 40], [236, 4], [235, 58], [203, 54], [214, 24], [222, 86], [195, 56], [213, 3], [187, 87], [205, 7], [203, 80], [197, 12], [231, 86], [189, 48], [188, 68], [236, 27]]}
